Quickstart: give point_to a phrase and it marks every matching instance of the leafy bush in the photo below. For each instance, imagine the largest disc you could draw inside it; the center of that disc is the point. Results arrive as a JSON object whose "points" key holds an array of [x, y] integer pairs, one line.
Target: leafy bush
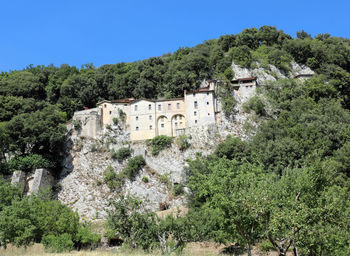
{"points": [[77, 125], [58, 244], [115, 121], [122, 115], [121, 154], [241, 55], [266, 246], [182, 142], [145, 179], [165, 179], [86, 238], [159, 143], [29, 163], [134, 166], [178, 189], [112, 179], [228, 103], [256, 104], [229, 73]]}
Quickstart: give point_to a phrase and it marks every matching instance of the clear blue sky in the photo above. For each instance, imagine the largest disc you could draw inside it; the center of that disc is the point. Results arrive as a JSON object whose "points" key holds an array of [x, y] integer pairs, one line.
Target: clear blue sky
{"points": [[106, 31]]}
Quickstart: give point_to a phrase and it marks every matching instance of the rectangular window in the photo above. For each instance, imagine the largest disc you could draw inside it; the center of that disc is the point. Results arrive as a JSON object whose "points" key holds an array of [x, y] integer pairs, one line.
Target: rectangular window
{"points": [[149, 107], [105, 105], [195, 113], [137, 118], [180, 123], [178, 105], [207, 102], [125, 105], [207, 93], [159, 107], [195, 104], [175, 124], [110, 112], [150, 117], [162, 125], [195, 121], [175, 118], [137, 128], [135, 107], [169, 106], [180, 117], [150, 127]]}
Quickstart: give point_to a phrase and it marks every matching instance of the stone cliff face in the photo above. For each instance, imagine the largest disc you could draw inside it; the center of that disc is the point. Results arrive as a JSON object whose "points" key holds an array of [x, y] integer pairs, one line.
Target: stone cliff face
{"points": [[81, 181]]}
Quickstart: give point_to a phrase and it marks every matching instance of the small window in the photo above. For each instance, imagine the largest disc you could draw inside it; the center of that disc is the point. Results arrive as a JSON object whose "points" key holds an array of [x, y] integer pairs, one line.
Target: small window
{"points": [[162, 125], [207, 102], [150, 127], [137, 128], [150, 117], [195, 113], [137, 118], [208, 114], [195, 104], [175, 118], [110, 112], [177, 105], [105, 105], [195, 121], [175, 124], [169, 106], [149, 107], [207, 93], [194, 94], [125, 105], [162, 119], [159, 107], [180, 123], [180, 117], [135, 107]]}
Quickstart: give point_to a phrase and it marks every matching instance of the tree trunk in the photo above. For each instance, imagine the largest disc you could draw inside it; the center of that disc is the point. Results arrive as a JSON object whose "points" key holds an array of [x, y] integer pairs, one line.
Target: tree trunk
{"points": [[295, 251], [249, 249]]}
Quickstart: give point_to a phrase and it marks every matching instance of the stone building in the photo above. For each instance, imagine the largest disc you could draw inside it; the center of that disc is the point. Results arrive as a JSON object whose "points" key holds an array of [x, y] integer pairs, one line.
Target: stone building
{"points": [[145, 118]]}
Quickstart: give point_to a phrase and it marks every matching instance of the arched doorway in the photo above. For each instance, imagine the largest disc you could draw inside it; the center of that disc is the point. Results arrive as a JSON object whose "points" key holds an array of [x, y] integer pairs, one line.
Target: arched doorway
{"points": [[178, 124]]}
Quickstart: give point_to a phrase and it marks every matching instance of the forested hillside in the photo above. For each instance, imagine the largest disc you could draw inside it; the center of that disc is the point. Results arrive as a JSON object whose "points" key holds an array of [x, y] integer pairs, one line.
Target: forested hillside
{"points": [[286, 187]]}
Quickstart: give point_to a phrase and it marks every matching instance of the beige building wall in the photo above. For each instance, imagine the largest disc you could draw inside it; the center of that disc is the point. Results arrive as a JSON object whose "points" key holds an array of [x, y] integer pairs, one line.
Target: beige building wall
{"points": [[90, 120], [200, 108], [170, 116], [111, 110], [142, 120]]}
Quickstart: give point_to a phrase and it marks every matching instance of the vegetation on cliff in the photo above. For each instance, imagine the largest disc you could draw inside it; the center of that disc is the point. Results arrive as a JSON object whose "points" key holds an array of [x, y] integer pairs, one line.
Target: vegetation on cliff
{"points": [[288, 184]]}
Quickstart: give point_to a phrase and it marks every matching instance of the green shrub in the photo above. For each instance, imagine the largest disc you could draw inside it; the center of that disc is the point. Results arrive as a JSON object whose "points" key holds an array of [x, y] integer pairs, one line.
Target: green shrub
{"points": [[86, 238], [256, 104], [58, 244], [229, 73], [228, 103], [122, 115], [165, 179], [159, 143], [145, 179], [109, 127], [112, 179], [115, 121], [266, 246], [134, 166], [182, 142], [178, 189], [241, 55], [121, 154], [77, 125]]}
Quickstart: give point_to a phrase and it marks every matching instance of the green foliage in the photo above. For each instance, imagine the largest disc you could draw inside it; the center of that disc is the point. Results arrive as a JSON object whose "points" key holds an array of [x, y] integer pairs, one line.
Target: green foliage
{"points": [[165, 179], [115, 121], [77, 125], [8, 193], [134, 166], [86, 239], [29, 163], [229, 74], [256, 104], [182, 142], [241, 55], [58, 244], [178, 189], [122, 115], [113, 180], [159, 143], [121, 154], [233, 148], [145, 179]]}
